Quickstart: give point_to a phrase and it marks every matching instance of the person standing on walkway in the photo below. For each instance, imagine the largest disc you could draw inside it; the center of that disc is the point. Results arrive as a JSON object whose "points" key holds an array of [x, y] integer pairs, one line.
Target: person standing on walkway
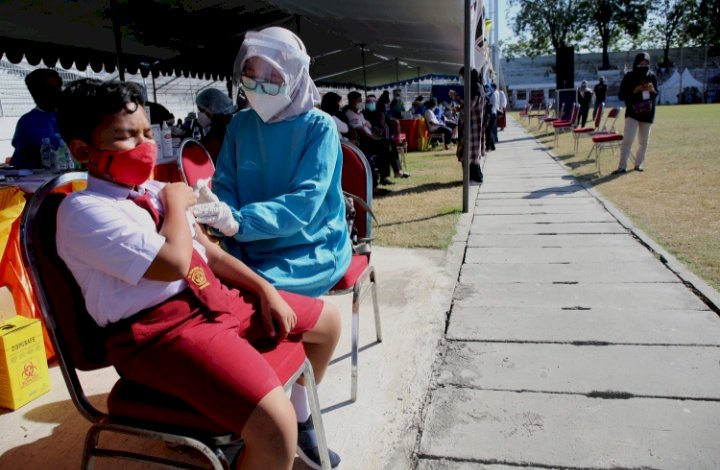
{"points": [[600, 92], [476, 125], [639, 92], [583, 99], [491, 106]]}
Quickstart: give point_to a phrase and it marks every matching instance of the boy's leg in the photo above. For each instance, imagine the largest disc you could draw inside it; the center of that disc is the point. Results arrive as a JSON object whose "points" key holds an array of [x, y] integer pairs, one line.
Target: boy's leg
{"points": [[270, 434], [320, 342]]}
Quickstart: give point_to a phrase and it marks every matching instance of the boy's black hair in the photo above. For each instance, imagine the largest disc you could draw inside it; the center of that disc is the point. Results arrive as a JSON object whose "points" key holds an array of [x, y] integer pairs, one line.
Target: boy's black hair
{"points": [[38, 78], [353, 96], [85, 102]]}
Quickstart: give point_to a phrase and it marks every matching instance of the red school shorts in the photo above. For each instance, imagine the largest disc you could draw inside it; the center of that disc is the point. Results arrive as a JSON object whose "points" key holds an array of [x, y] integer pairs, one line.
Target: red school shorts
{"points": [[209, 360]]}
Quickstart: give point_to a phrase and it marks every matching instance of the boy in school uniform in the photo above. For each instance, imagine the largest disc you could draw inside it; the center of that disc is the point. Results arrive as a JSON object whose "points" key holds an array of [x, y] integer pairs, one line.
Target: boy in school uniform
{"points": [[182, 316]]}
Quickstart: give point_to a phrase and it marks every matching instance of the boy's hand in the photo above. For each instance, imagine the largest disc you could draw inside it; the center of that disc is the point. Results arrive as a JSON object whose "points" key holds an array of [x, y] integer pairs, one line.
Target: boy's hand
{"points": [[275, 311], [217, 215], [178, 194]]}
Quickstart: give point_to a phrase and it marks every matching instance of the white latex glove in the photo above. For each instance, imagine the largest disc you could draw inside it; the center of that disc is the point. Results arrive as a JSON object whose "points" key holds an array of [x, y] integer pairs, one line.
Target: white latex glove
{"points": [[204, 193], [217, 215]]}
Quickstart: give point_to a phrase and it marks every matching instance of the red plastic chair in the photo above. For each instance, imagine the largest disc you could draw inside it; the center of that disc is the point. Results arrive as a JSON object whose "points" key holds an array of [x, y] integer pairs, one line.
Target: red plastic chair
{"points": [[588, 131], [360, 276], [194, 162], [79, 344], [560, 125]]}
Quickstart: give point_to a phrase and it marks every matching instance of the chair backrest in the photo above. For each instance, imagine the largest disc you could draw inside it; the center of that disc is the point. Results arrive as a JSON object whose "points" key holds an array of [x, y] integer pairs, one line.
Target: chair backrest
{"points": [[598, 115], [194, 162], [357, 180], [562, 110], [613, 114], [78, 341]]}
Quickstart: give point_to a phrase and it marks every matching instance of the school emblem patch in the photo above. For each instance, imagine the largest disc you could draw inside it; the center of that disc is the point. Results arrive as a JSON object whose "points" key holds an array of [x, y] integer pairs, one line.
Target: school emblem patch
{"points": [[197, 277]]}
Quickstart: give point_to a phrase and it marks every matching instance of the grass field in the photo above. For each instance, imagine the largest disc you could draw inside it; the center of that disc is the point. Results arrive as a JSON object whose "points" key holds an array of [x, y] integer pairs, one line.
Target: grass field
{"points": [[676, 200], [422, 211]]}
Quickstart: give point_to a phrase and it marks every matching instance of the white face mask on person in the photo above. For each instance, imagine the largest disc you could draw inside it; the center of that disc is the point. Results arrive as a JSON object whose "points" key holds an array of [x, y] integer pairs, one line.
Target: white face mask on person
{"points": [[267, 105], [204, 121]]}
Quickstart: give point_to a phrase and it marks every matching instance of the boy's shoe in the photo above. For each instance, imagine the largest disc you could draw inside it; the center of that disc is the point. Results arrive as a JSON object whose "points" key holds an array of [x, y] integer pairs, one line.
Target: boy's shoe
{"points": [[619, 171], [307, 448], [639, 168], [387, 180], [233, 452]]}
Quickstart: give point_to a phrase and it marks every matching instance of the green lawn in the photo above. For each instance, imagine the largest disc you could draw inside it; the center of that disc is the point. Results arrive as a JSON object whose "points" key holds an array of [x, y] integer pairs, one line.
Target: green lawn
{"points": [[422, 211], [675, 200]]}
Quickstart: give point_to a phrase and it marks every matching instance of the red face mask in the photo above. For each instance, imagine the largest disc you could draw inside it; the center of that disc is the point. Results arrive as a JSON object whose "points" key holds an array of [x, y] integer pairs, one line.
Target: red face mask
{"points": [[126, 167]]}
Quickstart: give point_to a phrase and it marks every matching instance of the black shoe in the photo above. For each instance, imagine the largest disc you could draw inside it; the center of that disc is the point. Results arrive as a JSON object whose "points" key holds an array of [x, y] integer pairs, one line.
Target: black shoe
{"points": [[233, 451], [387, 180], [619, 171], [307, 448], [639, 168], [476, 173], [381, 192]]}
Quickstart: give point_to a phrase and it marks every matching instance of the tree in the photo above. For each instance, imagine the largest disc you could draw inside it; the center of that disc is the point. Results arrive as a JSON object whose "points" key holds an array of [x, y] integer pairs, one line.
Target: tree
{"points": [[666, 23], [703, 25], [547, 25], [610, 18]]}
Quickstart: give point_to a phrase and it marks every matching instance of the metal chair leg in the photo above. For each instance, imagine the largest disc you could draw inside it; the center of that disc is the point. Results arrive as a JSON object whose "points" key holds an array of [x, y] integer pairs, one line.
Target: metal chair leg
{"points": [[376, 307], [355, 339], [315, 411]]}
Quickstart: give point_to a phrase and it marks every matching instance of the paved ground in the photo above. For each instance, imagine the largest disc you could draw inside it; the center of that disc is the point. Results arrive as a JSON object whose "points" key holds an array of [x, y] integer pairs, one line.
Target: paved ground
{"points": [[548, 336]]}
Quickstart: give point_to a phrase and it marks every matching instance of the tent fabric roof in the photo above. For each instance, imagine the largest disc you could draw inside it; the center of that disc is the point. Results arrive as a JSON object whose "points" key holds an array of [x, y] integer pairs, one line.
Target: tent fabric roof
{"points": [[199, 38], [671, 87]]}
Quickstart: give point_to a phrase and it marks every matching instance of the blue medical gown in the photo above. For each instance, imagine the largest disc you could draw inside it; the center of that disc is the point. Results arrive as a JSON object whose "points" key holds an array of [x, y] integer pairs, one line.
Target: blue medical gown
{"points": [[283, 184]]}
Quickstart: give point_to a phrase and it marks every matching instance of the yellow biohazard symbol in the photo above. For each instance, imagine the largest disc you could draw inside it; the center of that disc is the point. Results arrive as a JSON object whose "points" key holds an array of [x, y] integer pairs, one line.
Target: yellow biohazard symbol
{"points": [[197, 277]]}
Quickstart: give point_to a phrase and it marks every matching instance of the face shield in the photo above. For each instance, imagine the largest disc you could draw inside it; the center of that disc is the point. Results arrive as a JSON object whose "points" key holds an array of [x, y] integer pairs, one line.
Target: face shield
{"points": [[272, 69]]}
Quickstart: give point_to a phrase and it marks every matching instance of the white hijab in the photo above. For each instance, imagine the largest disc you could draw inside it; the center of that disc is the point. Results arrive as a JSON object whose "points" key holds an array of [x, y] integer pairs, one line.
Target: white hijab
{"points": [[282, 49]]}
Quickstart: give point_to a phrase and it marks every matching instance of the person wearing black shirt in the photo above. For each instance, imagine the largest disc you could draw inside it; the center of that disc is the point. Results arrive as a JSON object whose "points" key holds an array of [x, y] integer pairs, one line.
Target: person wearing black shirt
{"points": [[638, 90], [600, 92]]}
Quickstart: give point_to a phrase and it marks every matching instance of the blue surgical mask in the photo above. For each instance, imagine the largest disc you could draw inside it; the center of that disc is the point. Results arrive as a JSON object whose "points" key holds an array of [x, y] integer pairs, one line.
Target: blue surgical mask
{"points": [[371, 106]]}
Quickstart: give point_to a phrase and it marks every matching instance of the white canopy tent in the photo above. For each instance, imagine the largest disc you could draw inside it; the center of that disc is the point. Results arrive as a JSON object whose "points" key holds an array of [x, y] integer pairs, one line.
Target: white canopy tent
{"points": [[673, 86]]}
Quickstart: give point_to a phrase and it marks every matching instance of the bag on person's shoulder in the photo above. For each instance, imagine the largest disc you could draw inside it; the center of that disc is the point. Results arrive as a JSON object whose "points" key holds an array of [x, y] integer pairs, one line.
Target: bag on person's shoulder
{"points": [[642, 107], [360, 245]]}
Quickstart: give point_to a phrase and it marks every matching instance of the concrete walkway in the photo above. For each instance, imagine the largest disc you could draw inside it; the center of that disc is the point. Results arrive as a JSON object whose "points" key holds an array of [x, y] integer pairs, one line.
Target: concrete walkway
{"points": [[570, 344], [547, 336]]}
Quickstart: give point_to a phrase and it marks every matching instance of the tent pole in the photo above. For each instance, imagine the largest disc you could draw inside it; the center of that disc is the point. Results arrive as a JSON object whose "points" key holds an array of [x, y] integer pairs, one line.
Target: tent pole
{"points": [[154, 89], [466, 108], [118, 39], [362, 48]]}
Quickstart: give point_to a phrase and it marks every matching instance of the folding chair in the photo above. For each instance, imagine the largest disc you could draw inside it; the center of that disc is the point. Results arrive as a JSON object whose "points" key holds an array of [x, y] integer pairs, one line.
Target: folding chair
{"points": [[588, 131], [550, 119], [606, 138], [79, 344], [560, 125], [194, 162], [360, 276], [525, 112]]}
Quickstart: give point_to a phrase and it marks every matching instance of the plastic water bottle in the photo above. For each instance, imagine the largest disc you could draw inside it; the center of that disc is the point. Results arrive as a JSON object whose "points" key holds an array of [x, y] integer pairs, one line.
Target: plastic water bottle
{"points": [[167, 149], [47, 154], [62, 156]]}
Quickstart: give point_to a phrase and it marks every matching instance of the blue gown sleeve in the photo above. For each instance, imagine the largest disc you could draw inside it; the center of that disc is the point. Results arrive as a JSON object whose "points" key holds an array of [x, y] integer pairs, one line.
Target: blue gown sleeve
{"points": [[293, 210]]}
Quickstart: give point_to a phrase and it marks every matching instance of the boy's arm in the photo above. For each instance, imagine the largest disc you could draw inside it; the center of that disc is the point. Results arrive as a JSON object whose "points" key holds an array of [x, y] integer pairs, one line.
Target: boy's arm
{"points": [[275, 311], [173, 260]]}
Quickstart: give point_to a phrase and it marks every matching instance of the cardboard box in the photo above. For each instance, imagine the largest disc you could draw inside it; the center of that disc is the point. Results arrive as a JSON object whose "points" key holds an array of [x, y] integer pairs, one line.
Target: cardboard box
{"points": [[23, 368]]}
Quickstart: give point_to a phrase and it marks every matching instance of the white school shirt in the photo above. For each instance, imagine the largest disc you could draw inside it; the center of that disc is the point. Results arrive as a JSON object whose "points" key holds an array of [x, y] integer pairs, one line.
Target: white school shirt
{"points": [[108, 242], [431, 120], [358, 121]]}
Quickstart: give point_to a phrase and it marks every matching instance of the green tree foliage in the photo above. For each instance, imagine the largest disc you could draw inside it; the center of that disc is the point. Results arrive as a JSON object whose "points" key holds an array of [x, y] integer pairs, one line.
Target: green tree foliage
{"points": [[703, 25], [670, 16], [611, 18], [547, 25]]}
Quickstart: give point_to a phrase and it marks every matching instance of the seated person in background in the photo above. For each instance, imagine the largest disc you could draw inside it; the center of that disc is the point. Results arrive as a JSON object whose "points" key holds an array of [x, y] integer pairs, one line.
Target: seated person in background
{"points": [[331, 104], [418, 106], [153, 279], [397, 107], [434, 124], [215, 110], [370, 142], [40, 123]]}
